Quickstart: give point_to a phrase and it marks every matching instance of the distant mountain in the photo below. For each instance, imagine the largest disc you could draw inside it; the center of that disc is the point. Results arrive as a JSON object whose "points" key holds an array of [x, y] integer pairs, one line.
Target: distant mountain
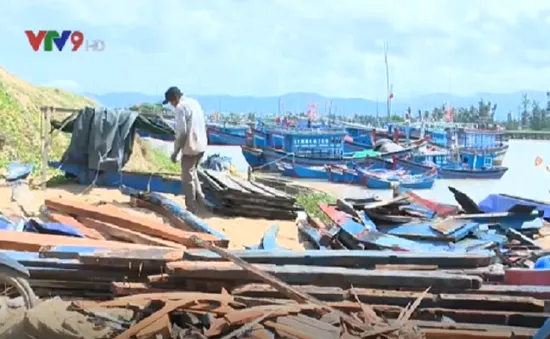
{"points": [[296, 102]]}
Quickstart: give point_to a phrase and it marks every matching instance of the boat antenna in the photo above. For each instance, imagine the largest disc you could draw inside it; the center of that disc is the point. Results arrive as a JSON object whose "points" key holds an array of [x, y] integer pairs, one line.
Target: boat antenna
{"points": [[389, 94]]}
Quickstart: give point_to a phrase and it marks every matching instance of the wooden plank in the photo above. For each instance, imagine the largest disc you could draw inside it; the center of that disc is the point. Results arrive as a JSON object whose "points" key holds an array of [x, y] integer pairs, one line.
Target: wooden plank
{"points": [[518, 332], [126, 234], [224, 181], [176, 222], [323, 276], [271, 190], [173, 208], [464, 300], [346, 258], [70, 221], [132, 258], [134, 222], [33, 242], [247, 186]]}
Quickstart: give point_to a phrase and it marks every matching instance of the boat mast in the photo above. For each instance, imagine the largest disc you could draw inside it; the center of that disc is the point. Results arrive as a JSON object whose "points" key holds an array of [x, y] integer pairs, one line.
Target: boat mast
{"points": [[388, 94]]}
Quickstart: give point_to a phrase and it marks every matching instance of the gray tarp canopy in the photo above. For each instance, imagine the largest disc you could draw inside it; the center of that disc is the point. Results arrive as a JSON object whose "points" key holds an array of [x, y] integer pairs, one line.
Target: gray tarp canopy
{"points": [[101, 135]]}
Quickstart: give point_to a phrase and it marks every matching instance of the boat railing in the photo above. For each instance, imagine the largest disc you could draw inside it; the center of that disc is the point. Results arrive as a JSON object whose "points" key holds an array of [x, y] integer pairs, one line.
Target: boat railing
{"points": [[308, 131]]}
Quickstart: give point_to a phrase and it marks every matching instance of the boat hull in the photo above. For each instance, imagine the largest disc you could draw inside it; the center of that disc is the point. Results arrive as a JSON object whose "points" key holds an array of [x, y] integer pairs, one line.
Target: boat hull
{"points": [[379, 183], [303, 172], [451, 173], [343, 176], [253, 156], [220, 138], [351, 146], [273, 156], [454, 173], [137, 181]]}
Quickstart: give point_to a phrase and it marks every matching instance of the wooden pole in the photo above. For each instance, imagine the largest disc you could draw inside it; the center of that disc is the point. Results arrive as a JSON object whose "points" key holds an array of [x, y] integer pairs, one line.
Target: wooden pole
{"points": [[46, 117]]}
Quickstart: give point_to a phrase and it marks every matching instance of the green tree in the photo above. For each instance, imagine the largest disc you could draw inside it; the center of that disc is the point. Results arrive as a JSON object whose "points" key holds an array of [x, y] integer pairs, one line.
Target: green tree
{"points": [[536, 122], [525, 114]]}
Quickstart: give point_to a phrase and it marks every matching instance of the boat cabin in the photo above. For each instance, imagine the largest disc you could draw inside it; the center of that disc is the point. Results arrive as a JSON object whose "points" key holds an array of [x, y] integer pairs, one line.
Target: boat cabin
{"points": [[477, 160], [317, 143], [481, 139], [238, 130], [436, 158], [440, 137], [355, 132], [327, 143]]}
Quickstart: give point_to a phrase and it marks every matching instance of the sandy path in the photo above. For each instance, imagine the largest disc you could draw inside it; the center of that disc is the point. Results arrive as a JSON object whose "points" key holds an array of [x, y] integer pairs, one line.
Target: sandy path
{"points": [[240, 231]]}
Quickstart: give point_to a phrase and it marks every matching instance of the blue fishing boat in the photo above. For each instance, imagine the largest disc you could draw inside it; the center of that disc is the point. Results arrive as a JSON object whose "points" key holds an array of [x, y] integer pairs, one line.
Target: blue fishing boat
{"points": [[488, 141], [341, 174], [225, 134], [375, 163], [302, 147], [303, 172], [473, 166], [399, 151], [472, 140], [253, 156], [385, 180]]}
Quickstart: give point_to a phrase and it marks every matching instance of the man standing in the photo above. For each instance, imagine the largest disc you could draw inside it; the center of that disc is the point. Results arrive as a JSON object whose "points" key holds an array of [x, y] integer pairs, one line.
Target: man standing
{"points": [[191, 139]]}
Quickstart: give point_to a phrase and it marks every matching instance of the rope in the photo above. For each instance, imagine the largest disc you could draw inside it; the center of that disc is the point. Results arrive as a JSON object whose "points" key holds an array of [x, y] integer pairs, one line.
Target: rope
{"points": [[274, 161]]}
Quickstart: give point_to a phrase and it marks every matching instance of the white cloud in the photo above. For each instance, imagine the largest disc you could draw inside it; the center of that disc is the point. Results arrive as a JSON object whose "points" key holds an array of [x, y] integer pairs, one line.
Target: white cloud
{"points": [[69, 85], [268, 47]]}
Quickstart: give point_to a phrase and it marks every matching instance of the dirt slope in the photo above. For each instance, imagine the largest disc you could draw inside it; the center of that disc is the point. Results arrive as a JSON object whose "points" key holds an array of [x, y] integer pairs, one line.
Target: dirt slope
{"points": [[20, 103]]}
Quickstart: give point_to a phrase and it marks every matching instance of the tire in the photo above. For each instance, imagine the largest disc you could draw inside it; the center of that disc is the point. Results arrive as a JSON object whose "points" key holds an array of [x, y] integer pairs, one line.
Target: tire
{"points": [[21, 284]]}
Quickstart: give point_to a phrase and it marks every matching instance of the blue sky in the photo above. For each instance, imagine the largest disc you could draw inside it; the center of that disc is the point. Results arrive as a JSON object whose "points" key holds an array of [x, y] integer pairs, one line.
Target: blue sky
{"points": [[270, 47]]}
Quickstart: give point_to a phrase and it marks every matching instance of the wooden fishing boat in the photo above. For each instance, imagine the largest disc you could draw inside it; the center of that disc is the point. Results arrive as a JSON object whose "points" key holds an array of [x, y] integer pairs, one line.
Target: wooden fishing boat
{"points": [[471, 168], [342, 174], [226, 134], [273, 156], [296, 147], [253, 156], [467, 173], [381, 180], [303, 172], [352, 146], [375, 163]]}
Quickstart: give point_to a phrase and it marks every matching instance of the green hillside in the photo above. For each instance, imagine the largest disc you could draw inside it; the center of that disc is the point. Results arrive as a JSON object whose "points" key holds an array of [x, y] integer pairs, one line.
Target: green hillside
{"points": [[20, 103]]}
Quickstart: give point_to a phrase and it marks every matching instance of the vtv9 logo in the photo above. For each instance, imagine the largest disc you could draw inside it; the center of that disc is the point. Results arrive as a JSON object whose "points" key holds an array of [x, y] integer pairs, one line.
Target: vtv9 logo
{"points": [[49, 39]]}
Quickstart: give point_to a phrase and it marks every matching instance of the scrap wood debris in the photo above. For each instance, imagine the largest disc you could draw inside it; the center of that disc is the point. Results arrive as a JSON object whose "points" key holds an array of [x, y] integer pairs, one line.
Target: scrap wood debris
{"points": [[445, 277], [203, 315]]}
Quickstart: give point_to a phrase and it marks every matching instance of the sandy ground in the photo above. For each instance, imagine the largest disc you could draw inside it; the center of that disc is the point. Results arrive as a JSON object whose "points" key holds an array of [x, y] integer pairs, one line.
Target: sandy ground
{"points": [[240, 231]]}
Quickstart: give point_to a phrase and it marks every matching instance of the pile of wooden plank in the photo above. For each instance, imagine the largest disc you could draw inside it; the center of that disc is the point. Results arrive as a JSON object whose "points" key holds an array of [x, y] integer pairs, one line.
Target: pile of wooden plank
{"points": [[90, 246], [234, 196], [395, 283], [270, 285]]}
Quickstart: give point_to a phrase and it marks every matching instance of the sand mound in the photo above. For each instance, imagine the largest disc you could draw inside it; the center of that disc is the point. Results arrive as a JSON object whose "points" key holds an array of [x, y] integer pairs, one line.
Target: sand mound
{"points": [[54, 318]]}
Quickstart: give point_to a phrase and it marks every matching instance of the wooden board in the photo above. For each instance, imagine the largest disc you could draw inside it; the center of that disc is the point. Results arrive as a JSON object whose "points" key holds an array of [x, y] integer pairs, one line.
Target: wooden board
{"points": [[324, 276]]}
